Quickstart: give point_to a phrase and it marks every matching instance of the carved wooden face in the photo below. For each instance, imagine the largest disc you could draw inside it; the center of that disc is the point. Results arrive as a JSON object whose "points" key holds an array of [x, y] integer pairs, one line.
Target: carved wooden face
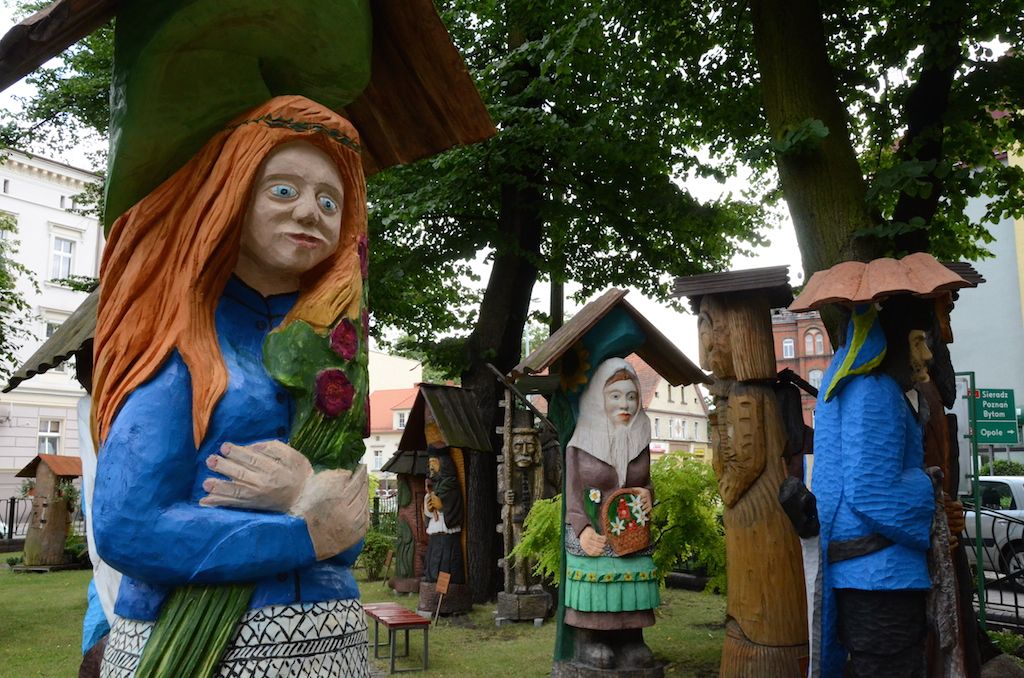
{"points": [[920, 356], [713, 334], [621, 401], [294, 218], [525, 448]]}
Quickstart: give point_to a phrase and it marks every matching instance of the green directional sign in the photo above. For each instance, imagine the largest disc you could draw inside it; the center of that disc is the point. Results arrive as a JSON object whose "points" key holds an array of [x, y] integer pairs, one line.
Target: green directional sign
{"points": [[996, 416]]}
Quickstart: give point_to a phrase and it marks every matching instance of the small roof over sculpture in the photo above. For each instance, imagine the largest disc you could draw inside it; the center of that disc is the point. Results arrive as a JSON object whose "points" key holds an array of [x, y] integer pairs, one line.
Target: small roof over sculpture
{"points": [[771, 281], [62, 466], [413, 462], [854, 282], [609, 327], [456, 413]]}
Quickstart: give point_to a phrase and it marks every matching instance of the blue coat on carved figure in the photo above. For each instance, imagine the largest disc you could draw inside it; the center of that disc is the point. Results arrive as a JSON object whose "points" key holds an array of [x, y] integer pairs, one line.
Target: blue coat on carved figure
{"points": [[868, 478]]}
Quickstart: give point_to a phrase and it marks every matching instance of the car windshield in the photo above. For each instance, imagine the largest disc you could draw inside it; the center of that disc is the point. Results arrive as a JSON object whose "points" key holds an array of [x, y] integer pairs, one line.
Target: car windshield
{"points": [[996, 495]]}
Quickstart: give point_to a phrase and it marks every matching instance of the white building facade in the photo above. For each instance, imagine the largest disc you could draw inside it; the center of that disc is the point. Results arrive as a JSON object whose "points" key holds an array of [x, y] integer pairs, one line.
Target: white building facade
{"points": [[52, 242]]}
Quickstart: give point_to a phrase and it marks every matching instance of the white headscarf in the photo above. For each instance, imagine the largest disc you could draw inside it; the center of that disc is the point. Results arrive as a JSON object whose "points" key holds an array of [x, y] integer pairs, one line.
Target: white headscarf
{"points": [[599, 437]]}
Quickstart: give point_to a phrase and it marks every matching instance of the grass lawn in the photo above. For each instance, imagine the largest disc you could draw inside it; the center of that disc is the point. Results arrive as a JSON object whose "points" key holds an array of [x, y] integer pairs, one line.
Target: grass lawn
{"points": [[41, 625]]}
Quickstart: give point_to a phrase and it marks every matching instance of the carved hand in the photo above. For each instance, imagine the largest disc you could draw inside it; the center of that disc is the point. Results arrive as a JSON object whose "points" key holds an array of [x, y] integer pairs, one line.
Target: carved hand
{"points": [[955, 518], [268, 476], [592, 542], [434, 503], [510, 497], [645, 500], [336, 507]]}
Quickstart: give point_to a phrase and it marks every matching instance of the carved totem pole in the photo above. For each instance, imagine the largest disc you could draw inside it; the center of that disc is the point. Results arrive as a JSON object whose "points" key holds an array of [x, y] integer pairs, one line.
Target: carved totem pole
{"points": [[521, 481], [766, 628]]}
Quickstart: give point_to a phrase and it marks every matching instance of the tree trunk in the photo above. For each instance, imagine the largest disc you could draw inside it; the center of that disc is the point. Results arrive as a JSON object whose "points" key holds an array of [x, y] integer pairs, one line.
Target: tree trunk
{"points": [[497, 339], [824, 186], [924, 115]]}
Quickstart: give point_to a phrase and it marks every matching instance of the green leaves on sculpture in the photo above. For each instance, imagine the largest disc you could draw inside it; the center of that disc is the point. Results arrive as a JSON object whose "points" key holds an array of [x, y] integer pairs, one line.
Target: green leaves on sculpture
{"points": [[327, 377]]}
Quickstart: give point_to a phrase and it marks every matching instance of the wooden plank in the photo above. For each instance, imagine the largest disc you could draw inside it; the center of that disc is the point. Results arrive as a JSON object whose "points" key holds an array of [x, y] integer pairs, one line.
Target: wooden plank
{"points": [[47, 33]]}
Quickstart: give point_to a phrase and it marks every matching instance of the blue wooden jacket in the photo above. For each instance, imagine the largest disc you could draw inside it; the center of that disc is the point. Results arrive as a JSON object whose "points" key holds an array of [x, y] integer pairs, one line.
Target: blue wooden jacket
{"points": [[868, 478], [148, 523]]}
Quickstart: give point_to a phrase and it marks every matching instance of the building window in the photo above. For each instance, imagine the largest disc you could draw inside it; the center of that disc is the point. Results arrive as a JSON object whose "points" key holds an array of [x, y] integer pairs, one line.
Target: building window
{"points": [[670, 393], [63, 256], [378, 459], [657, 427], [63, 200], [788, 348], [49, 436], [682, 429], [814, 378], [7, 185], [400, 420], [814, 343], [51, 327]]}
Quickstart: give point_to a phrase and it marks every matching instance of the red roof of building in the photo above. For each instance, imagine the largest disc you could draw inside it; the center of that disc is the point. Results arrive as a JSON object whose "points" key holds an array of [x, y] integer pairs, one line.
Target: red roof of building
{"points": [[649, 379], [384, 403]]}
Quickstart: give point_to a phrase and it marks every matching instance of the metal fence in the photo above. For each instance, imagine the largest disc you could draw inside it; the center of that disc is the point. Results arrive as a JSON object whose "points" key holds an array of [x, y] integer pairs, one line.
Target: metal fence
{"points": [[999, 547], [16, 514], [384, 515], [14, 517]]}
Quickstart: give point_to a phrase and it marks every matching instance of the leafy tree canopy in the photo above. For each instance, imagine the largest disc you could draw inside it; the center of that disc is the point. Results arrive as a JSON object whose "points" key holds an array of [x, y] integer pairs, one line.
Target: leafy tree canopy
{"points": [[15, 312]]}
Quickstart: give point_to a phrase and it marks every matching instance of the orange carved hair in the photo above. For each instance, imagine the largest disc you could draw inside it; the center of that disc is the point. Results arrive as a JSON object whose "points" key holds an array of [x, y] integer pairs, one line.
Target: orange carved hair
{"points": [[169, 257]]}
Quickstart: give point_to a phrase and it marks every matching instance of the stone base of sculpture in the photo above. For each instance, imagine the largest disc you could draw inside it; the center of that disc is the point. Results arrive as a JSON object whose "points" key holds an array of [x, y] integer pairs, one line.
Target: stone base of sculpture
{"points": [[523, 606], [458, 600], [578, 670], [742, 658], [404, 584]]}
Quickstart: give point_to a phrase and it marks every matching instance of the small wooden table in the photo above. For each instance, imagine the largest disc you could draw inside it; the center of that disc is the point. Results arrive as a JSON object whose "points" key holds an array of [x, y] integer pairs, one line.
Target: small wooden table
{"points": [[396, 618]]}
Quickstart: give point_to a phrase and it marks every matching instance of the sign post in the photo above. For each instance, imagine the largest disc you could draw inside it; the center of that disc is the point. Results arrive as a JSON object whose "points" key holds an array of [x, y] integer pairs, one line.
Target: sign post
{"points": [[996, 415]]}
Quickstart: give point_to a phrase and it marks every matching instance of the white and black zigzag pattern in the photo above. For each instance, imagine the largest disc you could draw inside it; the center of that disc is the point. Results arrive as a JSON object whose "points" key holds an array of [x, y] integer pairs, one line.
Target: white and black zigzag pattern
{"points": [[287, 641]]}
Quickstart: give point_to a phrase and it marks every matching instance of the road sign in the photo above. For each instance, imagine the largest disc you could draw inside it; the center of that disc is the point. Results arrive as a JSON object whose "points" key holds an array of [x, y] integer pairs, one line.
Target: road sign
{"points": [[996, 416]]}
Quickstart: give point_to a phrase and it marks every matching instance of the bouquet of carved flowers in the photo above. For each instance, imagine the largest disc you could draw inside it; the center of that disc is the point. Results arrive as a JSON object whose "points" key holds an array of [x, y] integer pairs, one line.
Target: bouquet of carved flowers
{"points": [[328, 378]]}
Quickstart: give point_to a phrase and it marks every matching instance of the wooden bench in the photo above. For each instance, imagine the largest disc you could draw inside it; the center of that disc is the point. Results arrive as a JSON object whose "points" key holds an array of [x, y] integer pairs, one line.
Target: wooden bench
{"points": [[396, 618]]}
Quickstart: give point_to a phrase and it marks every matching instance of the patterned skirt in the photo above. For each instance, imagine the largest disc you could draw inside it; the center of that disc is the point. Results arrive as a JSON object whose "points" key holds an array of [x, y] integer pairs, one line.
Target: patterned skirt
{"points": [[285, 641], [611, 584]]}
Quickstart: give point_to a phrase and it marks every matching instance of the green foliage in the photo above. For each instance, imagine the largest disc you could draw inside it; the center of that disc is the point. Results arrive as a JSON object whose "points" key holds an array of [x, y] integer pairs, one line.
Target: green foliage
{"points": [[685, 524], [78, 283], [1002, 467], [76, 549], [542, 538], [1009, 642], [15, 312], [374, 483], [801, 138], [375, 552], [14, 561], [27, 486], [67, 490]]}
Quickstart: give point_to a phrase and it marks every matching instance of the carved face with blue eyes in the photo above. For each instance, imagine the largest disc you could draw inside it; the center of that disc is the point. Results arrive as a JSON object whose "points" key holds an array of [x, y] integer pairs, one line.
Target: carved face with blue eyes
{"points": [[293, 221]]}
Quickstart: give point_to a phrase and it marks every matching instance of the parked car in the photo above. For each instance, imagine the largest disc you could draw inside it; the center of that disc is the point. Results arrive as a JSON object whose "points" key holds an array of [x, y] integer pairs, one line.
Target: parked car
{"points": [[1002, 524]]}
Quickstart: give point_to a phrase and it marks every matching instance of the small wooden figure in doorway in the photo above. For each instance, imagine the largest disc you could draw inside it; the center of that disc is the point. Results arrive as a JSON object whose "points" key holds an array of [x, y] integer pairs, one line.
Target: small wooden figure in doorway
{"points": [[443, 509], [611, 582]]}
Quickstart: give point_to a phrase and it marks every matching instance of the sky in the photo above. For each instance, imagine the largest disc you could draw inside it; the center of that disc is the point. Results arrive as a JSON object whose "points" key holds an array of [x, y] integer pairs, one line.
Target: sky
{"points": [[680, 327]]}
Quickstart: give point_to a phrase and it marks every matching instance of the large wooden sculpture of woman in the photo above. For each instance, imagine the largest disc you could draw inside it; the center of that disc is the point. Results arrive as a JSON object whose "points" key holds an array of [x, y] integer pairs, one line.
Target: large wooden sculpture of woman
{"points": [[766, 631], [231, 320], [609, 598]]}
